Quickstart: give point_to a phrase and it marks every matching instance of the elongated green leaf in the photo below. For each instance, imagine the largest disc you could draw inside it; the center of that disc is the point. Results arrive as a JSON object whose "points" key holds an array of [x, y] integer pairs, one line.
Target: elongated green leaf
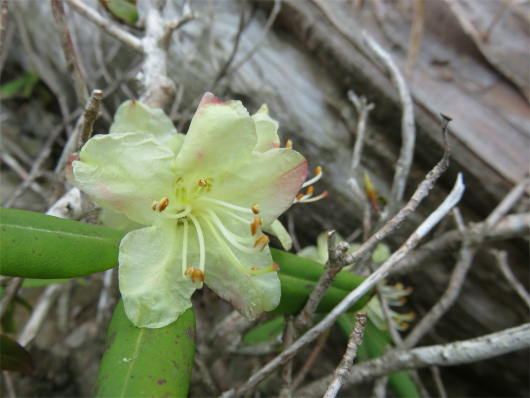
{"points": [[265, 331], [299, 276], [14, 357], [147, 362], [373, 346], [35, 245]]}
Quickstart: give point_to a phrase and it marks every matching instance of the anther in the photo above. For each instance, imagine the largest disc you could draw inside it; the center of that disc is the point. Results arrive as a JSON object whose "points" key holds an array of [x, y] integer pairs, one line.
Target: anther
{"points": [[318, 170], [255, 224], [189, 271], [255, 208], [289, 144], [254, 269], [203, 183], [309, 190], [155, 203], [197, 273], [261, 242], [163, 204]]}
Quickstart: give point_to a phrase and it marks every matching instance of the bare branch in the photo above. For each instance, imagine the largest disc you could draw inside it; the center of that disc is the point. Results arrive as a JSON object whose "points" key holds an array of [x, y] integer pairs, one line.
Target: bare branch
{"points": [[107, 26], [3, 26], [89, 117], [509, 201], [311, 360], [502, 263], [39, 314], [416, 32], [457, 353], [510, 226], [268, 25], [448, 298], [9, 294], [158, 87], [288, 337], [334, 265], [343, 370], [408, 129], [72, 66]]}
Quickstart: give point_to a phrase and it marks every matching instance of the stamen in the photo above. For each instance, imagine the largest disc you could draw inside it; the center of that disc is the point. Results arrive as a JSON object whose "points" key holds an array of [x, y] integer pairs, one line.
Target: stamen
{"points": [[289, 144], [197, 273], [163, 204], [299, 196], [185, 247], [255, 224], [231, 237], [155, 203], [301, 199], [254, 269], [203, 183], [201, 241], [255, 208], [271, 268], [225, 204], [262, 242], [318, 176], [309, 191]]}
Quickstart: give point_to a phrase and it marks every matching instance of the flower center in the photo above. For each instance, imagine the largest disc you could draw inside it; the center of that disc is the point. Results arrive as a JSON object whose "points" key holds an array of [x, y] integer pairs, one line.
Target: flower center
{"points": [[195, 212]]}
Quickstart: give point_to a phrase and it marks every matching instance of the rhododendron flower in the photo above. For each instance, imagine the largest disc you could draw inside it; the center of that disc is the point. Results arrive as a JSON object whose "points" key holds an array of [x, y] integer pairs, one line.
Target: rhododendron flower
{"points": [[204, 198]]}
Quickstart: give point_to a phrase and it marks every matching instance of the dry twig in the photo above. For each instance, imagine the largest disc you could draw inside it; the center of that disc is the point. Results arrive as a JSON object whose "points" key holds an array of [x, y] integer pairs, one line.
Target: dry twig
{"points": [[457, 353], [408, 129], [502, 263], [70, 56], [9, 294], [343, 370]]}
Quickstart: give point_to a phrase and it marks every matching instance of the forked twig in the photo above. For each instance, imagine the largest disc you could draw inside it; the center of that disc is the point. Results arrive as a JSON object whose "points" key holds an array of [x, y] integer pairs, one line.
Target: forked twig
{"points": [[343, 370]]}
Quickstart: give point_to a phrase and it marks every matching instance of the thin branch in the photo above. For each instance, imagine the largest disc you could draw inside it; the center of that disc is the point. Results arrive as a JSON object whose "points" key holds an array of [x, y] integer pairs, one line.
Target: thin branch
{"points": [[343, 370], [288, 337], [511, 226], [89, 117], [268, 25], [310, 360], [4, 10], [226, 65], [107, 26], [333, 267], [363, 109], [509, 201], [408, 129], [39, 314], [435, 371], [356, 294], [158, 88], [72, 66], [416, 33], [9, 294], [449, 297], [457, 353], [502, 263]]}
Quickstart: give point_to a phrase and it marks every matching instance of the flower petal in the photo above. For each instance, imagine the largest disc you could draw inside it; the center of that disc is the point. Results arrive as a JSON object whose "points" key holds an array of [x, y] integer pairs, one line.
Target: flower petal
{"points": [[137, 117], [249, 294], [266, 130], [271, 179], [126, 172], [220, 139], [154, 290]]}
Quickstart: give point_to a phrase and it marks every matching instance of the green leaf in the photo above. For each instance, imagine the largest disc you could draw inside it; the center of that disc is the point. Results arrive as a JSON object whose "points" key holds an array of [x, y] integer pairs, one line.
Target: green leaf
{"points": [[299, 276], [122, 10], [14, 357], [264, 331], [22, 86], [373, 346], [42, 282], [35, 245], [146, 362]]}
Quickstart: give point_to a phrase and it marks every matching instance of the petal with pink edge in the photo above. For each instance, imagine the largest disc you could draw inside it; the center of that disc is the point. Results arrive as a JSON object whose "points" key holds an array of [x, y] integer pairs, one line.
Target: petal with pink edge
{"points": [[220, 139], [271, 179], [126, 172]]}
